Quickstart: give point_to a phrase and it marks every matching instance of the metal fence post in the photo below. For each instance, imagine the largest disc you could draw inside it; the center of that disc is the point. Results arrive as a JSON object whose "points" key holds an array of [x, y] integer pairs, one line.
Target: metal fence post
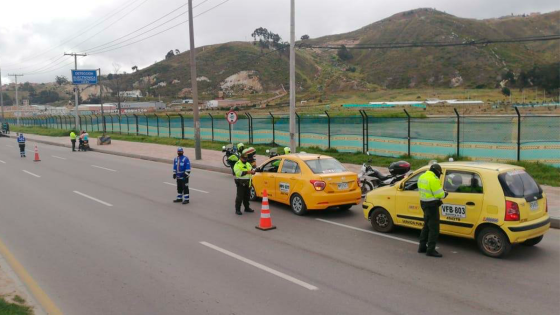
{"points": [[147, 125], [458, 131], [229, 128], [168, 125], [273, 131], [298, 130], [157, 123], [518, 133], [248, 126], [112, 123], [182, 127], [136, 119], [367, 131], [60, 120], [96, 121], [408, 136], [212, 125], [328, 129], [363, 131], [127, 125]]}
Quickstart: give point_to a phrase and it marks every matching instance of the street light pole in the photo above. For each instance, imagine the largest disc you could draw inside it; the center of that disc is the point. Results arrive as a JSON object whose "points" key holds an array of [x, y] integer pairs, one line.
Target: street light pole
{"points": [[77, 90], [101, 101], [1, 96], [292, 77], [196, 118]]}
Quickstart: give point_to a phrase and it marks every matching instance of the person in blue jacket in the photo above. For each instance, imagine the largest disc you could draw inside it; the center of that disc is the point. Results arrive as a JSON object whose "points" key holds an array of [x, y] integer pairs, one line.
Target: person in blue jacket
{"points": [[21, 143], [182, 172]]}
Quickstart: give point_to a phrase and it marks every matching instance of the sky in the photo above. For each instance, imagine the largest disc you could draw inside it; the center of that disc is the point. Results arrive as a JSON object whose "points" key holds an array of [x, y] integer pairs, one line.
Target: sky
{"points": [[35, 34]]}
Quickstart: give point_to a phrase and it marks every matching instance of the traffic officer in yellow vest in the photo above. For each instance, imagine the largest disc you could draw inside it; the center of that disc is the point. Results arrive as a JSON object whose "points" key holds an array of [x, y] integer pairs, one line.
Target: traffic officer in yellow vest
{"points": [[243, 173], [431, 194]]}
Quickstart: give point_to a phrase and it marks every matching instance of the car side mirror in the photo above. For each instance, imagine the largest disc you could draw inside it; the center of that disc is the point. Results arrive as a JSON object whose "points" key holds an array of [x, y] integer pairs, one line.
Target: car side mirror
{"points": [[258, 169], [401, 186]]}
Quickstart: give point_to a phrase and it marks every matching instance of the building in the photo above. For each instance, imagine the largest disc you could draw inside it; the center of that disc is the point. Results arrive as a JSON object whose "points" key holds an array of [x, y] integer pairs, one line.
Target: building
{"points": [[133, 93], [226, 103]]}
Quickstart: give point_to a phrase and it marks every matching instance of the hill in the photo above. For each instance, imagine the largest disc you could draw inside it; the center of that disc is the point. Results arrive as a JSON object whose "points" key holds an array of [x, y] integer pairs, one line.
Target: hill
{"points": [[244, 69]]}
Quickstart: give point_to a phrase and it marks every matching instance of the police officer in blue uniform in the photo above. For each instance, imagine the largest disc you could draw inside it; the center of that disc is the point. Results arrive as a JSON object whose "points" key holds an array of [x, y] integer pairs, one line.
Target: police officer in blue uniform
{"points": [[21, 143], [182, 172]]}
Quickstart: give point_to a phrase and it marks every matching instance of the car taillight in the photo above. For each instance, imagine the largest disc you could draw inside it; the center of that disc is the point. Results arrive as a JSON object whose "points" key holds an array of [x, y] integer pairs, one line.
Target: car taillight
{"points": [[512, 211], [318, 184]]}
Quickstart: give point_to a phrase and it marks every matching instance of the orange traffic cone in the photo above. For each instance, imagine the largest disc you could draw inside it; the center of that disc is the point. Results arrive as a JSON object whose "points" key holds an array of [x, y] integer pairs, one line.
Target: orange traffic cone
{"points": [[37, 159], [266, 221]]}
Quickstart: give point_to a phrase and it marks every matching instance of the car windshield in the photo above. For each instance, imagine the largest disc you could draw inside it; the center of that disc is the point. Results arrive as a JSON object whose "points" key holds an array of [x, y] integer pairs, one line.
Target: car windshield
{"points": [[519, 184], [325, 166]]}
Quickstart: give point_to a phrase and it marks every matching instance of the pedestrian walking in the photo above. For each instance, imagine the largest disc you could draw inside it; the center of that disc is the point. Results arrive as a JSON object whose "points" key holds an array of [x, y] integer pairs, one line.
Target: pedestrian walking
{"points": [[21, 143], [182, 172], [431, 194], [73, 140], [243, 174]]}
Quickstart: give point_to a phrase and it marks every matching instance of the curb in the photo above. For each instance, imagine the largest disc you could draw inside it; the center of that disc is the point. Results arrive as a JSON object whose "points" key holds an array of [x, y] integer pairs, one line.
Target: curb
{"points": [[554, 221]]}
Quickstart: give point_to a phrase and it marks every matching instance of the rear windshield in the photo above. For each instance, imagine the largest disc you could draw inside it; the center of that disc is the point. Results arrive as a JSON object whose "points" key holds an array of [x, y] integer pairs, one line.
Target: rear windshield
{"points": [[325, 166], [519, 184]]}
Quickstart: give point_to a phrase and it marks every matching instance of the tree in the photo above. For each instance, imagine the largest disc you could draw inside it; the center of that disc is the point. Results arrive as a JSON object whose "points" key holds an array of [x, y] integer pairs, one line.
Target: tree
{"points": [[344, 54], [509, 76], [177, 51], [305, 37], [169, 54], [505, 91], [7, 99], [61, 80], [135, 68], [116, 84]]}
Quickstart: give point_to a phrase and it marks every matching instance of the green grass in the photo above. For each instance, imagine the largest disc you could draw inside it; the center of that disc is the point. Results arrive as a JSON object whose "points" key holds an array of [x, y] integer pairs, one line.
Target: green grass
{"points": [[7, 308], [543, 174]]}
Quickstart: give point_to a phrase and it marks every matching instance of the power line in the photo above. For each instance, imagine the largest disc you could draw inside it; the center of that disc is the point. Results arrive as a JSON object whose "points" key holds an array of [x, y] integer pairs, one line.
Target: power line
{"points": [[105, 49], [480, 42], [79, 33], [148, 37]]}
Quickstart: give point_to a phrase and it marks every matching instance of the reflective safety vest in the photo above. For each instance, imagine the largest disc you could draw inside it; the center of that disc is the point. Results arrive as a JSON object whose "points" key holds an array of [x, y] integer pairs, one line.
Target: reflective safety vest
{"points": [[72, 136], [21, 139], [241, 167], [430, 187], [182, 166]]}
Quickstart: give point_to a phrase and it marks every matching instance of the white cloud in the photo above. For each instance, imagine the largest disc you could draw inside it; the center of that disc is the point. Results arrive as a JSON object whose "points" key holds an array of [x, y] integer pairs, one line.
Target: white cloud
{"points": [[30, 27]]}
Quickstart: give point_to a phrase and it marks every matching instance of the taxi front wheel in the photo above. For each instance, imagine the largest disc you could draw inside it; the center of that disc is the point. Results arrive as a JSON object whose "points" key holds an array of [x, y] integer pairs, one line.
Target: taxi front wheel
{"points": [[493, 242], [298, 205], [381, 220], [253, 194]]}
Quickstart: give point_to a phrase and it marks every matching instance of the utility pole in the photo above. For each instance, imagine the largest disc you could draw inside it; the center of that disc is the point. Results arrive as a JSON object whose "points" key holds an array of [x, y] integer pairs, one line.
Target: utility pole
{"points": [[1, 96], [292, 76], [196, 118], [77, 90], [17, 97]]}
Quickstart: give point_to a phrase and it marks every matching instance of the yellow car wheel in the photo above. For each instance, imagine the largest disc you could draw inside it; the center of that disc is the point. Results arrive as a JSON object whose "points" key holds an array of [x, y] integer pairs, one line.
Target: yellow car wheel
{"points": [[381, 220], [493, 242]]}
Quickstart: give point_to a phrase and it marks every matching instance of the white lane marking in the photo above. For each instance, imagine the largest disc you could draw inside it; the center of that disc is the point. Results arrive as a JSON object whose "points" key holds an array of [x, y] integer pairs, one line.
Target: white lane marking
{"points": [[370, 232], [94, 199], [58, 157], [2, 162], [28, 172], [202, 191], [104, 168], [9, 146], [262, 267]]}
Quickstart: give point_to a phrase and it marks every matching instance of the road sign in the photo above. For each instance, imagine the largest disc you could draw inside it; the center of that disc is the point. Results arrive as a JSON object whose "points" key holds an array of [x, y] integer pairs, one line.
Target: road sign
{"points": [[231, 117], [84, 77]]}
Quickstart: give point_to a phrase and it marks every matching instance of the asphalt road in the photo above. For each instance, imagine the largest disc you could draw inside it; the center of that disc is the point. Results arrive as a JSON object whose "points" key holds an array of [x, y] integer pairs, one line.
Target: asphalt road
{"points": [[100, 235]]}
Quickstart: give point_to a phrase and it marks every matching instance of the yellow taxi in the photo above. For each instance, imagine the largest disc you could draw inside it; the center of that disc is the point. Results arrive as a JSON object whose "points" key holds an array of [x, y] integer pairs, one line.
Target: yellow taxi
{"points": [[307, 182], [496, 204]]}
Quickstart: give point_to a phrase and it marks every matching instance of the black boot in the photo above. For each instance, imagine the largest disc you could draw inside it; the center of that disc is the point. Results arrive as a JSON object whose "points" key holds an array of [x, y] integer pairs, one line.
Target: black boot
{"points": [[433, 253], [249, 210], [422, 248], [238, 212], [178, 200], [185, 202]]}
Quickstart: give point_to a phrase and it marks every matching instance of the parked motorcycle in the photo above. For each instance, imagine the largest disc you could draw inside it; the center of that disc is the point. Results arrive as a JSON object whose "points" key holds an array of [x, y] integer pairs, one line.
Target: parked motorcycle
{"points": [[228, 150], [371, 178]]}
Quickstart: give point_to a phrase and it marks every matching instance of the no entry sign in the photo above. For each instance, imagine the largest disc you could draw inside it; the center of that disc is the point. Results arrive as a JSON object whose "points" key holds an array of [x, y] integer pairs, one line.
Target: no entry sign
{"points": [[231, 117]]}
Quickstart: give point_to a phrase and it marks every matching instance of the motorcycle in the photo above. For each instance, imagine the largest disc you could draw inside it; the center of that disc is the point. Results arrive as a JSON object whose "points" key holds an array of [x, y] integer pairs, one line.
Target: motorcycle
{"points": [[371, 178], [272, 152], [228, 150]]}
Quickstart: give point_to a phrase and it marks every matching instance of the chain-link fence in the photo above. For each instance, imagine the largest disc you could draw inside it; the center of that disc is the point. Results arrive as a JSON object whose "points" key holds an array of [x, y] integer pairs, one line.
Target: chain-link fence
{"points": [[494, 138]]}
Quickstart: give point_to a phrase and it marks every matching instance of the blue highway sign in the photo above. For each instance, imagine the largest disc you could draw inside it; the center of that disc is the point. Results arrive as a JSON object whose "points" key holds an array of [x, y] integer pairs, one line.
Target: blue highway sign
{"points": [[84, 76]]}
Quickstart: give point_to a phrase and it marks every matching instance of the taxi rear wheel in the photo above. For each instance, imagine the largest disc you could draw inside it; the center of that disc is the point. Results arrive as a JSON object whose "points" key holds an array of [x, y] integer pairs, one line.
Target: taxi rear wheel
{"points": [[493, 242], [298, 205], [533, 241], [381, 220]]}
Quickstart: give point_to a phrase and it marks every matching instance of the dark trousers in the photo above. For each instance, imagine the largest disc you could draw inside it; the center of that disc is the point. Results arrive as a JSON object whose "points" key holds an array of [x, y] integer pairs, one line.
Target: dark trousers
{"points": [[73, 144], [22, 149], [430, 231], [242, 194], [183, 188]]}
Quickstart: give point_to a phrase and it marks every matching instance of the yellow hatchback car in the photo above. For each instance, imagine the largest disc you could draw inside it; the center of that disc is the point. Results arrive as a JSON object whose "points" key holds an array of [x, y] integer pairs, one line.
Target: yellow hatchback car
{"points": [[496, 204], [307, 182]]}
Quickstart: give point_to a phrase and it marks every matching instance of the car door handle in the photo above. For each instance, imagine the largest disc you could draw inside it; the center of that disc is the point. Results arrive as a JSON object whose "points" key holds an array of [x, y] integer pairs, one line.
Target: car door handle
{"points": [[470, 203]]}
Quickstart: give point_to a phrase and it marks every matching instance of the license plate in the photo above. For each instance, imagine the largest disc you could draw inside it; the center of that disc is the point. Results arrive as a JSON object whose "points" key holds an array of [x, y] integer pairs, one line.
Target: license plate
{"points": [[455, 211], [534, 205], [342, 186]]}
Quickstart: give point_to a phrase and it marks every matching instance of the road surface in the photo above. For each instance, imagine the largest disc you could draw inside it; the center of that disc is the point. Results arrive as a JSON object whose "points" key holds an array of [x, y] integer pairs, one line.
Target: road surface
{"points": [[100, 235]]}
